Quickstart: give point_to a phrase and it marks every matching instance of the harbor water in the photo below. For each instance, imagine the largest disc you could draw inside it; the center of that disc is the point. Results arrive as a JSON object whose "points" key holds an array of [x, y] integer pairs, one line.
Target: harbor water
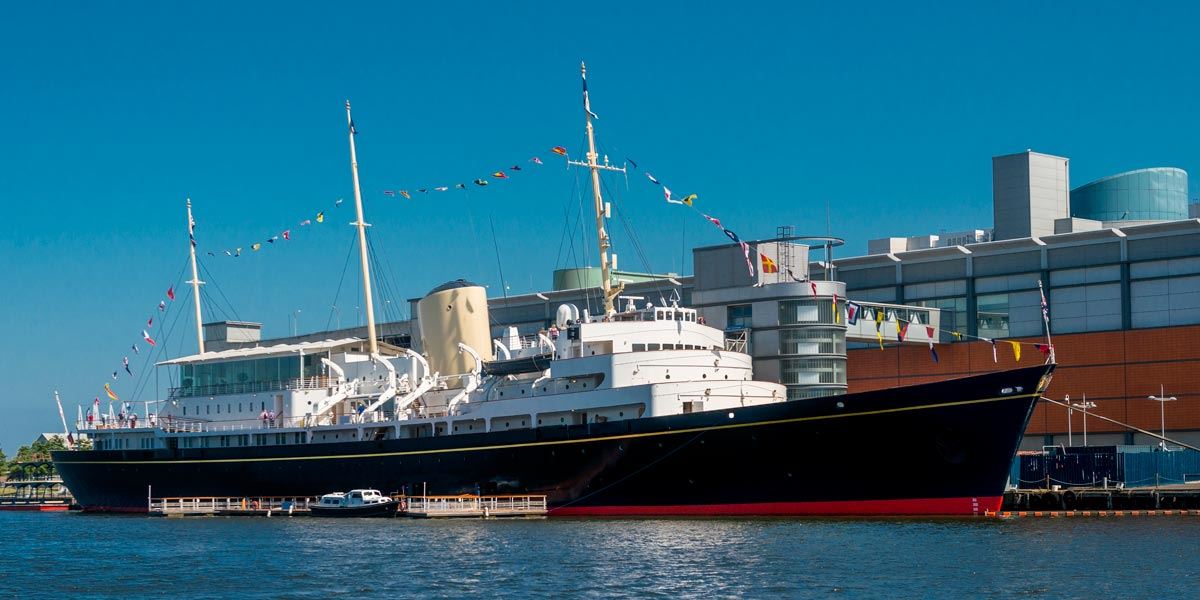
{"points": [[86, 556]]}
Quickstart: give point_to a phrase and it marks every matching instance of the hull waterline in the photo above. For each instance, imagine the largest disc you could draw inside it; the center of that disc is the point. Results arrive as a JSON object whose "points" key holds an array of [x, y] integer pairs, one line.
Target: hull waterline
{"points": [[933, 449]]}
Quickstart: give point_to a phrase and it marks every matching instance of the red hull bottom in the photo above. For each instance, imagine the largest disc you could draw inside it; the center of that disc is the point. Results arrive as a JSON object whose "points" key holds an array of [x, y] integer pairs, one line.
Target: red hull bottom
{"points": [[35, 507], [949, 507]]}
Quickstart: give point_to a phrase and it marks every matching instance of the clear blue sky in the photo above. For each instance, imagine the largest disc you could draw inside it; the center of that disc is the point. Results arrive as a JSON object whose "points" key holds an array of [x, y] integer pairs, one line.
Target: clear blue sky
{"points": [[113, 113]]}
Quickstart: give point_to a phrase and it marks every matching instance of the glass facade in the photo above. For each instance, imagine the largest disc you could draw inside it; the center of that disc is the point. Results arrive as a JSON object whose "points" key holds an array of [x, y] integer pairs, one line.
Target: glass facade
{"points": [[954, 312], [738, 316], [810, 332], [239, 376], [992, 315], [1159, 194]]}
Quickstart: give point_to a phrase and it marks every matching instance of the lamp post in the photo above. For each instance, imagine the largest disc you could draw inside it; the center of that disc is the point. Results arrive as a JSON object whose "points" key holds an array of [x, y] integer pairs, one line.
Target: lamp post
{"points": [[1084, 406], [1067, 401], [295, 318], [1162, 400]]}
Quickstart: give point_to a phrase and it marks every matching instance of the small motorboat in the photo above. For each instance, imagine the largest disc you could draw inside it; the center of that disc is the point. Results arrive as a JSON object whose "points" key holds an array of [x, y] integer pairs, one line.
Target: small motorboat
{"points": [[355, 503]]}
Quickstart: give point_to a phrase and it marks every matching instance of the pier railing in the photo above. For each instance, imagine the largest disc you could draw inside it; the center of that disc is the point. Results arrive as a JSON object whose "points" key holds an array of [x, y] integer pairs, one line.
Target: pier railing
{"points": [[475, 504], [216, 505]]}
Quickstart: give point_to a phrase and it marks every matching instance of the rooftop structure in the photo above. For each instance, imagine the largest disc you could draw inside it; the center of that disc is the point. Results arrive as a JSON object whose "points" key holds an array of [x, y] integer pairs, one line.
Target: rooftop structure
{"points": [[1029, 192]]}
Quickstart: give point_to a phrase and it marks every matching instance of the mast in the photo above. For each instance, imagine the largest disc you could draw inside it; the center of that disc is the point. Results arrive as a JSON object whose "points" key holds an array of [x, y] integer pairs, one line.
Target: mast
{"points": [[601, 208], [362, 237], [195, 276]]}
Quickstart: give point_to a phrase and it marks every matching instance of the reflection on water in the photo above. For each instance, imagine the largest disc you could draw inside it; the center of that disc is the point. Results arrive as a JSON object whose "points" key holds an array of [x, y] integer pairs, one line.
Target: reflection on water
{"points": [[122, 557]]}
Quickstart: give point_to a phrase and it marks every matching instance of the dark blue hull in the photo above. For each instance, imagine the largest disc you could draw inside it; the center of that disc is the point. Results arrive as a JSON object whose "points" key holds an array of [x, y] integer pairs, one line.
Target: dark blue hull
{"points": [[938, 448]]}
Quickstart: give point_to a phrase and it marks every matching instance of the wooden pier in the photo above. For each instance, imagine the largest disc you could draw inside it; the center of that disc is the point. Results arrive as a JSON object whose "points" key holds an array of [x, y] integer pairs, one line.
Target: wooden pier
{"points": [[420, 507], [230, 507], [470, 506], [1131, 501]]}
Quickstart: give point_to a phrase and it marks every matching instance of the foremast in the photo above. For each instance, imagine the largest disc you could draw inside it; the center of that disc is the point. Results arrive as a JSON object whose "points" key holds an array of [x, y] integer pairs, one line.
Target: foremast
{"points": [[601, 208], [362, 237], [195, 282]]}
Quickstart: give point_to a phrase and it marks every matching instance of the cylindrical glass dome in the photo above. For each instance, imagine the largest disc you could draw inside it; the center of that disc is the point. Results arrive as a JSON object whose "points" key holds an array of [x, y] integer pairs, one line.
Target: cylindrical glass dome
{"points": [[1157, 194]]}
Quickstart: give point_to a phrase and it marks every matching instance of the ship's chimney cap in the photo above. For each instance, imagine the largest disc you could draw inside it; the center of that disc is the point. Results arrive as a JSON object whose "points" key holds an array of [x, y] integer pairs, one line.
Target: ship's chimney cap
{"points": [[450, 285]]}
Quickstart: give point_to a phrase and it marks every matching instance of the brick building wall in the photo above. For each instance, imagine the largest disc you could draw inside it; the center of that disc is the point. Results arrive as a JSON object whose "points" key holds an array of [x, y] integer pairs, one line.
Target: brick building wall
{"points": [[1116, 369]]}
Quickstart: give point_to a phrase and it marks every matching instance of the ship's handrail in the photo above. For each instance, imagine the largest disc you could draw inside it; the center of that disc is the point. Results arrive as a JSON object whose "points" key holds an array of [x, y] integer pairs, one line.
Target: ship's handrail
{"points": [[179, 425]]}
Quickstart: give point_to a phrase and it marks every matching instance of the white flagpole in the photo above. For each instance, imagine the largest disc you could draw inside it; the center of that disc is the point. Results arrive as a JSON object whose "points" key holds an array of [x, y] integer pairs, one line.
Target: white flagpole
{"points": [[63, 418], [1046, 319]]}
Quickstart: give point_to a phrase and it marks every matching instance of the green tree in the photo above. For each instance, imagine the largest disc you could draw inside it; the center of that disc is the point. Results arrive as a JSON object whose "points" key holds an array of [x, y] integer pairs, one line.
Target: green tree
{"points": [[3, 463]]}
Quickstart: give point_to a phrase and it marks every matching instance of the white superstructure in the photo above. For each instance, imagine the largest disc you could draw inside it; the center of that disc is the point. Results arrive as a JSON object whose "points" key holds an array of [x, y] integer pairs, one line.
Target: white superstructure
{"points": [[630, 363], [642, 362]]}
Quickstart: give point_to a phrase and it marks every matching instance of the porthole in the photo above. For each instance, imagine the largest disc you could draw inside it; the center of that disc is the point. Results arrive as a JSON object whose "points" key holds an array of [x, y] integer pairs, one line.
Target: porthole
{"points": [[726, 377], [539, 421], [704, 376], [668, 375], [620, 414]]}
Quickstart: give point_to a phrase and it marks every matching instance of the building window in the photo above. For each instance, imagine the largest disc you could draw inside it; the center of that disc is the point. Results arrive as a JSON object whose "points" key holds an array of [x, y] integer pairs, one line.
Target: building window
{"points": [[795, 312], [1014, 314], [814, 340], [738, 316], [812, 371], [991, 315], [953, 313]]}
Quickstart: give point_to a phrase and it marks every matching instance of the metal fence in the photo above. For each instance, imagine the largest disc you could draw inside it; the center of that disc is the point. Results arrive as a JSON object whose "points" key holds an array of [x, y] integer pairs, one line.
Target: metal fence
{"points": [[1107, 466]]}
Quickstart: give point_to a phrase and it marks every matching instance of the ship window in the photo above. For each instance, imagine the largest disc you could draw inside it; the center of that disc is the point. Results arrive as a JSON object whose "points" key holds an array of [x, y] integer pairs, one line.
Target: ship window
{"points": [[218, 409], [239, 407], [262, 406], [208, 409], [639, 347], [185, 411]]}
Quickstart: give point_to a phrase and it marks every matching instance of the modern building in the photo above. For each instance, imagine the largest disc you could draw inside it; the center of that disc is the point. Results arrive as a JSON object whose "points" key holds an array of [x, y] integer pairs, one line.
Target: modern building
{"points": [[1123, 302], [1144, 195], [1029, 192], [1124, 309], [891, 245]]}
